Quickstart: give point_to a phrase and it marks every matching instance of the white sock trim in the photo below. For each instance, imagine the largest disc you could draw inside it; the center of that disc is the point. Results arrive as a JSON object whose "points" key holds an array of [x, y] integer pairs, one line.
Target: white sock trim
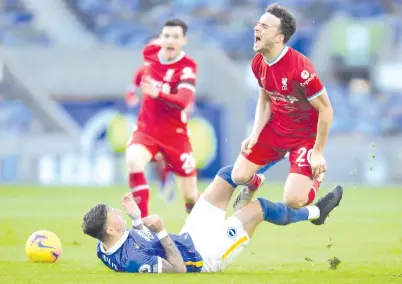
{"points": [[313, 212], [140, 187]]}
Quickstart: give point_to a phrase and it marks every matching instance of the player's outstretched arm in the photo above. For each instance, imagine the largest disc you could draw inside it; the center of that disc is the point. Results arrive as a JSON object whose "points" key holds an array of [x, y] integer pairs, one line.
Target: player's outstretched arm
{"points": [[325, 118], [174, 262], [326, 115], [262, 113]]}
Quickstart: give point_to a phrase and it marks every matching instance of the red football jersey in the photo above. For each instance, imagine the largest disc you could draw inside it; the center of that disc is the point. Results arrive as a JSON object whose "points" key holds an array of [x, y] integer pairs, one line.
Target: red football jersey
{"points": [[138, 76], [291, 82], [168, 112]]}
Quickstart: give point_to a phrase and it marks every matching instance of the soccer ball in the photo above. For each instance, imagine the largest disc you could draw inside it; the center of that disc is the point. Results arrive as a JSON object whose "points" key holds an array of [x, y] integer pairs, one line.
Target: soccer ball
{"points": [[43, 246]]}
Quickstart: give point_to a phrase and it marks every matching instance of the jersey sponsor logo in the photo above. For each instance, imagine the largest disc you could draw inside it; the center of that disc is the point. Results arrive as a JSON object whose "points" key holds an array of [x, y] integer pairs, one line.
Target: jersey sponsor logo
{"points": [[145, 234], [284, 84], [305, 74], [145, 268], [232, 232], [279, 97], [292, 99], [308, 80]]}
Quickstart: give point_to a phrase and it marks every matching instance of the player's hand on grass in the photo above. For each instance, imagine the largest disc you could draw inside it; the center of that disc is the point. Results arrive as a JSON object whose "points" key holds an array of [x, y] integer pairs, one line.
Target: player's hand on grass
{"points": [[318, 164], [154, 223], [148, 88], [130, 206], [248, 144]]}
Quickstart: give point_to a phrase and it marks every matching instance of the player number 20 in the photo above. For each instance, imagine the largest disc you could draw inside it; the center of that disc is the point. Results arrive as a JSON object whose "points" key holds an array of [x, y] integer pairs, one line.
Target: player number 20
{"points": [[188, 162], [302, 156]]}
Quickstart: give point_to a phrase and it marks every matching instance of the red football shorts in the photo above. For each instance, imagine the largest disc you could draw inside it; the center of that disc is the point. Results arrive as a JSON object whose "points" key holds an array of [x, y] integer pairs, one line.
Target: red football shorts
{"points": [[176, 150], [272, 146]]}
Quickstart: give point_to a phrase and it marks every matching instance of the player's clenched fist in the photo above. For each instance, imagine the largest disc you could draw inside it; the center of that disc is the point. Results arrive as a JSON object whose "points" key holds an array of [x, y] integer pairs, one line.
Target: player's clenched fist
{"points": [[130, 206], [154, 223], [248, 144], [318, 164]]}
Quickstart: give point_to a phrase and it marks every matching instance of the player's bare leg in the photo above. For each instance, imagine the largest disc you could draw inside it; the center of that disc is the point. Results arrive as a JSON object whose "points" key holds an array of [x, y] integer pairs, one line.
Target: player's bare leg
{"points": [[218, 193], [244, 171], [137, 157], [188, 187], [300, 190]]}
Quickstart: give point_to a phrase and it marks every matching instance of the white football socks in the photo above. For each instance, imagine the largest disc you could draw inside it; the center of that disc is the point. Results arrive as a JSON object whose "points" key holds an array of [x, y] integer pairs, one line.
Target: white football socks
{"points": [[313, 212]]}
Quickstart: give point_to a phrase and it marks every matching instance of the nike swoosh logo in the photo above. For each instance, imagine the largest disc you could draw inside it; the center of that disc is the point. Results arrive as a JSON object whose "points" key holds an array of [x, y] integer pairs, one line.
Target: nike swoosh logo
{"points": [[41, 245], [303, 165]]}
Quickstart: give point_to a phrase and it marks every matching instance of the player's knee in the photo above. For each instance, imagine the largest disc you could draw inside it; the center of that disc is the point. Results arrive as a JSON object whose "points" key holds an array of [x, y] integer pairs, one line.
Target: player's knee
{"points": [[136, 159], [135, 164], [226, 174], [294, 202], [239, 177]]}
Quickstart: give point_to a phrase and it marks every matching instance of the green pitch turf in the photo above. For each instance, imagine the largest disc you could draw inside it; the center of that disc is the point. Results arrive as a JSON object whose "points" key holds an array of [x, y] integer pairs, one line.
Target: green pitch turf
{"points": [[364, 234]]}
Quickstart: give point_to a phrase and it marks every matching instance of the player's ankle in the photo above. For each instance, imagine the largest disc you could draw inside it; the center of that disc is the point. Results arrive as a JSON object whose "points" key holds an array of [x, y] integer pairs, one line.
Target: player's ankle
{"points": [[313, 212], [254, 183]]}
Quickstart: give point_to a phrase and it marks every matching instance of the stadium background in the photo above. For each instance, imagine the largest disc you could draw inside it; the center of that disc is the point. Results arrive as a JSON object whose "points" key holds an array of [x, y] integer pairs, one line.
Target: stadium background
{"points": [[65, 65]]}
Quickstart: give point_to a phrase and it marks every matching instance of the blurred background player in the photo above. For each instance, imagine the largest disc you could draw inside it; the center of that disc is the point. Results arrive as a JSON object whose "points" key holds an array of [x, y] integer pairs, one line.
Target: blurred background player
{"points": [[132, 99], [208, 242], [168, 87], [293, 114]]}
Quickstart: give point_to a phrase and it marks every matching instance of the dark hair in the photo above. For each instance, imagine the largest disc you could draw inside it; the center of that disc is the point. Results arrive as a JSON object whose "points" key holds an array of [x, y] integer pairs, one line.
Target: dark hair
{"points": [[288, 21], [94, 222], [176, 23]]}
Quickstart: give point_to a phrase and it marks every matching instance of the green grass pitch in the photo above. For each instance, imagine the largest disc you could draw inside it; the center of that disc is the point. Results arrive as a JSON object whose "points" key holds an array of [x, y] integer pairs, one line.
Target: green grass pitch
{"points": [[364, 233]]}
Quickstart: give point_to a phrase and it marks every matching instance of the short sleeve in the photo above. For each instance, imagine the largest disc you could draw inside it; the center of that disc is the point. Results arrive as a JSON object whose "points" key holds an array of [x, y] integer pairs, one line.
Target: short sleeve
{"points": [[143, 262], [309, 81], [255, 67], [189, 73], [139, 73]]}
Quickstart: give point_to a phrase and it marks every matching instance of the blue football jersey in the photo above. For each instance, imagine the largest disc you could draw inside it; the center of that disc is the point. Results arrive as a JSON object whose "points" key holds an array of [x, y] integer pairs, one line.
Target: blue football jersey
{"points": [[141, 251]]}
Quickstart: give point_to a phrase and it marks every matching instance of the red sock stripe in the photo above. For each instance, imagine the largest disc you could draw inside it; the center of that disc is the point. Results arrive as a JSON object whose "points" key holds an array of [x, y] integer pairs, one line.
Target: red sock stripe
{"points": [[313, 191], [254, 182]]}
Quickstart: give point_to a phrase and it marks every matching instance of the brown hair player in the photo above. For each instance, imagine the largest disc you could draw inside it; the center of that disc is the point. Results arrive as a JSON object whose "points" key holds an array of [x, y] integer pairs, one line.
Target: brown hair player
{"points": [[168, 85], [293, 114]]}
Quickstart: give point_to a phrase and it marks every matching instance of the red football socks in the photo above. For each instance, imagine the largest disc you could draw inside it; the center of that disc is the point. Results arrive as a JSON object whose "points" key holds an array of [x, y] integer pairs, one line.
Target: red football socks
{"points": [[140, 190], [254, 183], [313, 191]]}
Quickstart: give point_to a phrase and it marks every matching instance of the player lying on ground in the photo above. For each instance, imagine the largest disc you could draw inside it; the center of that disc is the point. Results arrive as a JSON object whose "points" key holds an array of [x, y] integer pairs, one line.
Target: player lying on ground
{"points": [[293, 114], [208, 242], [167, 82]]}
